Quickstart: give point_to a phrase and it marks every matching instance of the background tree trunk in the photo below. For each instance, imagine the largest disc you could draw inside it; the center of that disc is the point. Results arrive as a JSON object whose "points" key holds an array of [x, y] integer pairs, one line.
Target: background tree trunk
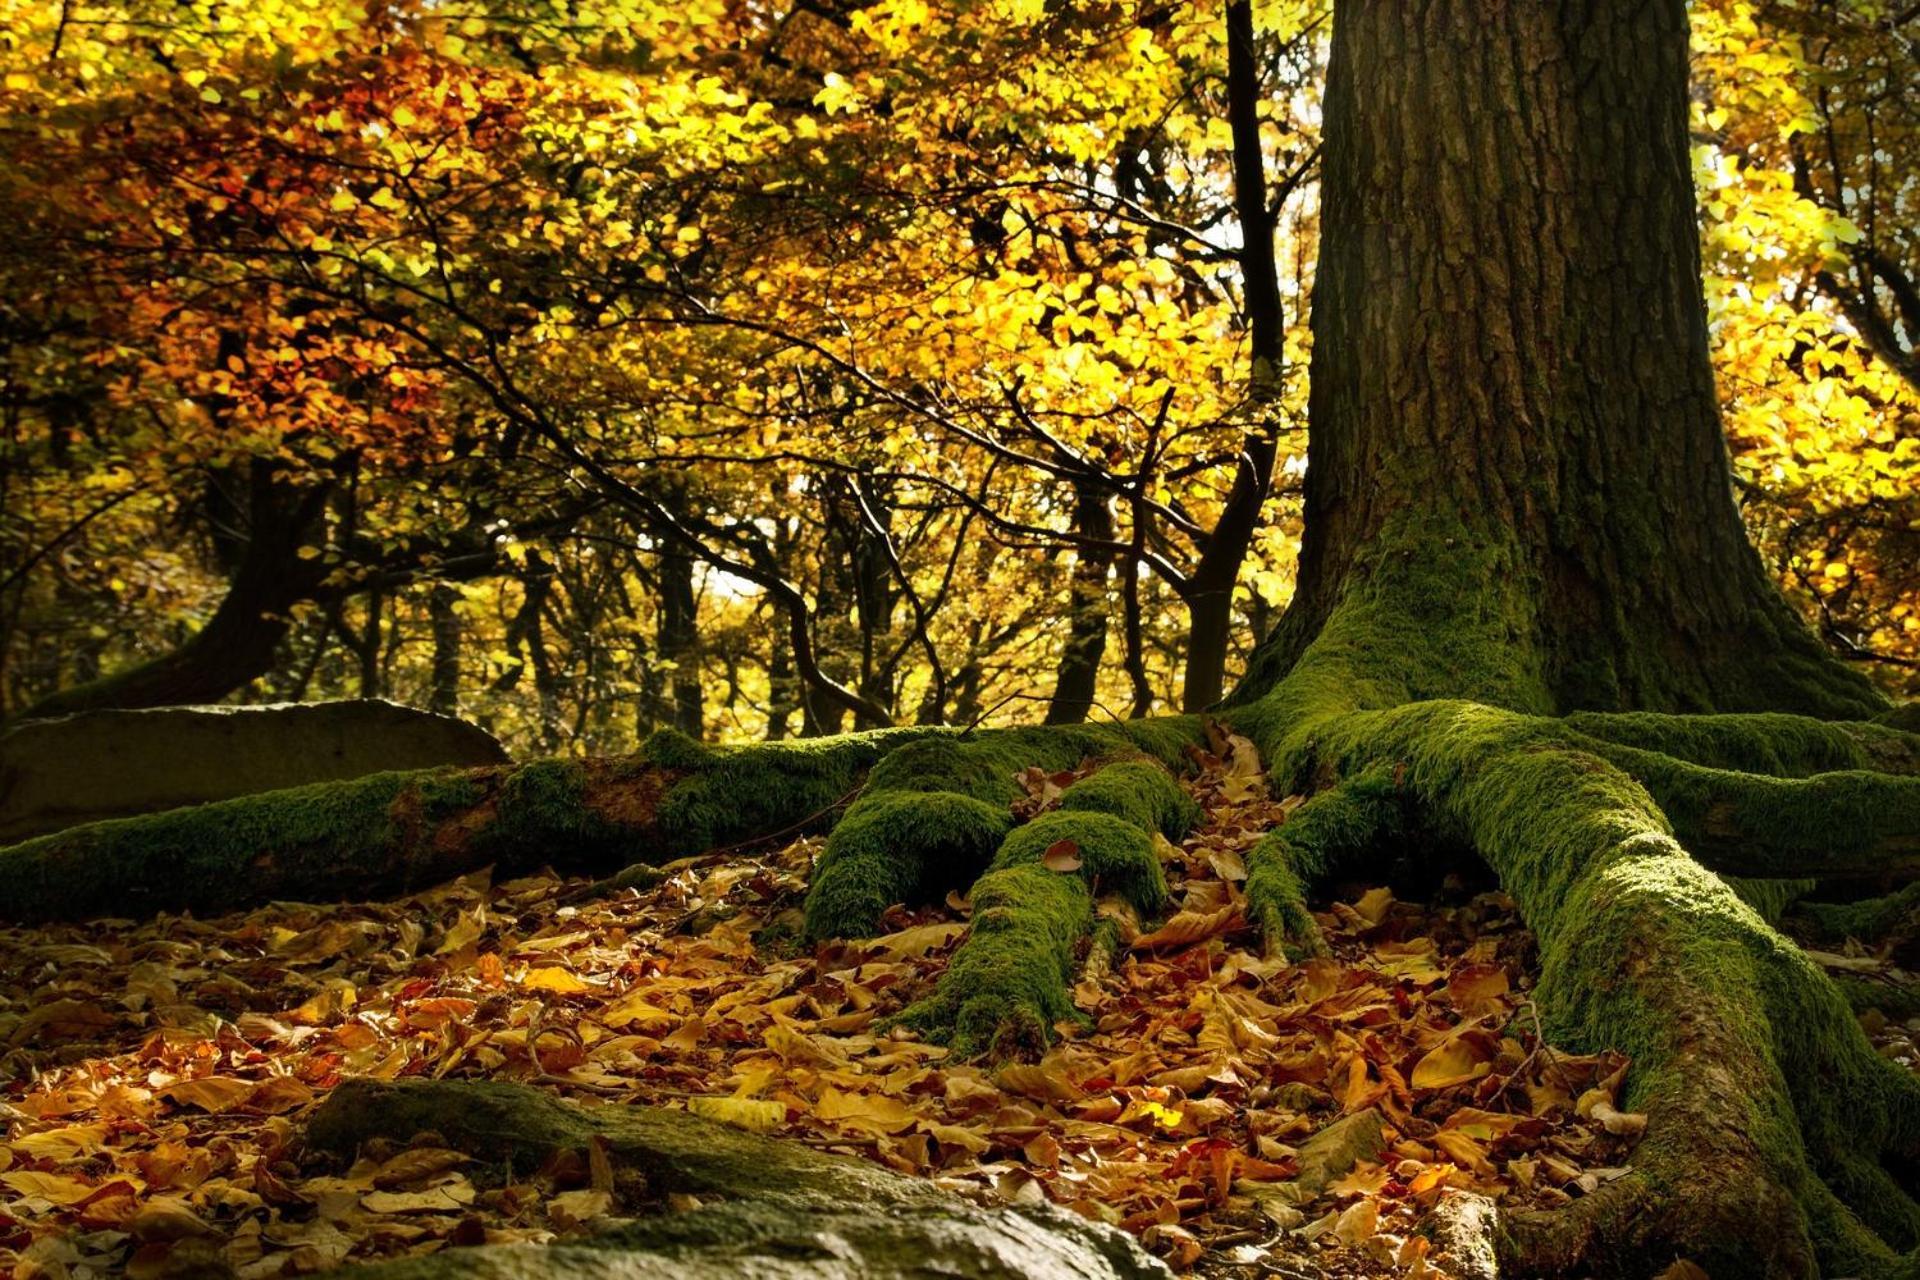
{"points": [[1511, 353], [1078, 671], [238, 644]]}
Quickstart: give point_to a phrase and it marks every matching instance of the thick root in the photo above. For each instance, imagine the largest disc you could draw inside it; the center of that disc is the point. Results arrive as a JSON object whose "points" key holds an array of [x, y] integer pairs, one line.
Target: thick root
{"points": [[1343, 823], [1856, 825], [1011, 980], [1779, 745], [1766, 1103], [396, 832], [931, 815], [766, 1207]]}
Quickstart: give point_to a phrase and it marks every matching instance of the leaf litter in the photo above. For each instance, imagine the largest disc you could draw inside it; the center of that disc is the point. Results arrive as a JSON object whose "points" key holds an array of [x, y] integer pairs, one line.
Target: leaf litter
{"points": [[156, 1075]]}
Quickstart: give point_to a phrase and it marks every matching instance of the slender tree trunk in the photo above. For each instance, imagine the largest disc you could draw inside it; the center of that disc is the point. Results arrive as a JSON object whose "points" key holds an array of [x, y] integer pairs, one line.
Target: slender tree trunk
{"points": [[1494, 369], [677, 642], [1209, 591], [447, 634], [1078, 671]]}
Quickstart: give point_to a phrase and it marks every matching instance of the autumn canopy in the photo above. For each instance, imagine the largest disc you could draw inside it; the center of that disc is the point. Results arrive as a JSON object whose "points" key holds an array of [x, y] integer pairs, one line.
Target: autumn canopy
{"points": [[1274, 638]]}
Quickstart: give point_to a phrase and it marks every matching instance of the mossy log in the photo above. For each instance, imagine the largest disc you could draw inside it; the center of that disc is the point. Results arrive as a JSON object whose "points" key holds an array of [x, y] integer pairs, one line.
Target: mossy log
{"points": [[768, 1208], [394, 832]]}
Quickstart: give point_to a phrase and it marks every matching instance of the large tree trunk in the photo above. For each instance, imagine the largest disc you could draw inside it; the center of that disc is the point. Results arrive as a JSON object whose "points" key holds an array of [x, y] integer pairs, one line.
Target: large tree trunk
{"points": [[1510, 350]]}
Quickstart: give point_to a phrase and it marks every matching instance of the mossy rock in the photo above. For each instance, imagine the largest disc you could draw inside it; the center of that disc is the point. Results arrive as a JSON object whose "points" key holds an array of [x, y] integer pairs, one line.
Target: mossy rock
{"points": [[775, 1209]]}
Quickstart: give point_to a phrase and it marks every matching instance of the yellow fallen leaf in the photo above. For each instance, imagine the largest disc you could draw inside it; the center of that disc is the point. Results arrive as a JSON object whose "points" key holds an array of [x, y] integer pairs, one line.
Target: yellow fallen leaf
{"points": [[1358, 1222], [630, 1009], [953, 1135], [56, 1188], [688, 1037], [213, 1094], [1187, 927], [760, 1115], [167, 1218], [68, 1143], [574, 1208], [555, 981], [911, 944], [464, 931], [1061, 855], [1373, 904], [334, 999], [1621, 1124], [1476, 984], [280, 1095], [874, 1112], [1454, 1060], [1464, 1151], [416, 1164], [449, 1197]]}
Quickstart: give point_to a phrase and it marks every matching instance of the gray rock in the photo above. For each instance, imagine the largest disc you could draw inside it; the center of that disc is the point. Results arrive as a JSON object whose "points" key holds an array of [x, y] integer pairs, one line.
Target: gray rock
{"points": [[1324, 1158], [1462, 1226], [62, 772], [781, 1211]]}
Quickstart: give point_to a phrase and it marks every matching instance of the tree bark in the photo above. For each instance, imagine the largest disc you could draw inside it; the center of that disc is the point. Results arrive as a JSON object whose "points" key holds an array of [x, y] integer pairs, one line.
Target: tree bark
{"points": [[677, 640], [1078, 670], [444, 619], [238, 644], [1511, 352]]}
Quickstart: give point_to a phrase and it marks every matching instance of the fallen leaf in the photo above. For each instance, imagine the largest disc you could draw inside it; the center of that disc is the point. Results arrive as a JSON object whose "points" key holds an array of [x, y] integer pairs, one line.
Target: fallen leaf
{"points": [[1061, 855], [756, 1114], [212, 1094]]}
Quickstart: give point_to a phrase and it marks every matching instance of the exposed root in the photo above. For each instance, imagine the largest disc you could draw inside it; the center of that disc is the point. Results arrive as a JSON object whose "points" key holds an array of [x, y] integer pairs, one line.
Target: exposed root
{"points": [[1783, 746], [1856, 824], [1766, 1101], [1867, 920], [933, 812], [1011, 980], [1340, 824]]}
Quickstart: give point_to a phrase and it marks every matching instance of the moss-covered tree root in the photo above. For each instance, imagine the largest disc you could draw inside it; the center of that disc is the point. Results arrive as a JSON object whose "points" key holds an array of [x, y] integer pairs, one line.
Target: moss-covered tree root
{"points": [[931, 815], [771, 1208], [1340, 825], [1011, 980], [1779, 1144], [393, 832]]}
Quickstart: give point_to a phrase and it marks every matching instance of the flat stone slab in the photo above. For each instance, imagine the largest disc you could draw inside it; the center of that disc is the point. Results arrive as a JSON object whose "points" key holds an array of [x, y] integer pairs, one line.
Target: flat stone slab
{"points": [[781, 1211], [94, 765]]}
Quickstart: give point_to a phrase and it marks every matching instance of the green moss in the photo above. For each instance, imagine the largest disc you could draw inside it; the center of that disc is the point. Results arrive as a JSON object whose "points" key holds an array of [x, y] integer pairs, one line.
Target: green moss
{"points": [[915, 831], [446, 793], [900, 846], [541, 809], [1338, 825], [1011, 980], [1115, 856], [1770, 899], [1141, 793], [1009, 983], [731, 794], [1868, 920], [213, 856], [1770, 743], [1750, 824]]}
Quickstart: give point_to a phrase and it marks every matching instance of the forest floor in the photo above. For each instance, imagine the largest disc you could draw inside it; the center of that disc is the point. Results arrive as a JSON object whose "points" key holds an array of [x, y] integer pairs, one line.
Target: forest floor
{"points": [[156, 1074]]}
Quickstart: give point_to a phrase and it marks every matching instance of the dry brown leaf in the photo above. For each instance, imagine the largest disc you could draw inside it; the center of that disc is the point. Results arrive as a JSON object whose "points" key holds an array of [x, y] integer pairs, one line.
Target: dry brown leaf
{"points": [[1188, 927], [1061, 855]]}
